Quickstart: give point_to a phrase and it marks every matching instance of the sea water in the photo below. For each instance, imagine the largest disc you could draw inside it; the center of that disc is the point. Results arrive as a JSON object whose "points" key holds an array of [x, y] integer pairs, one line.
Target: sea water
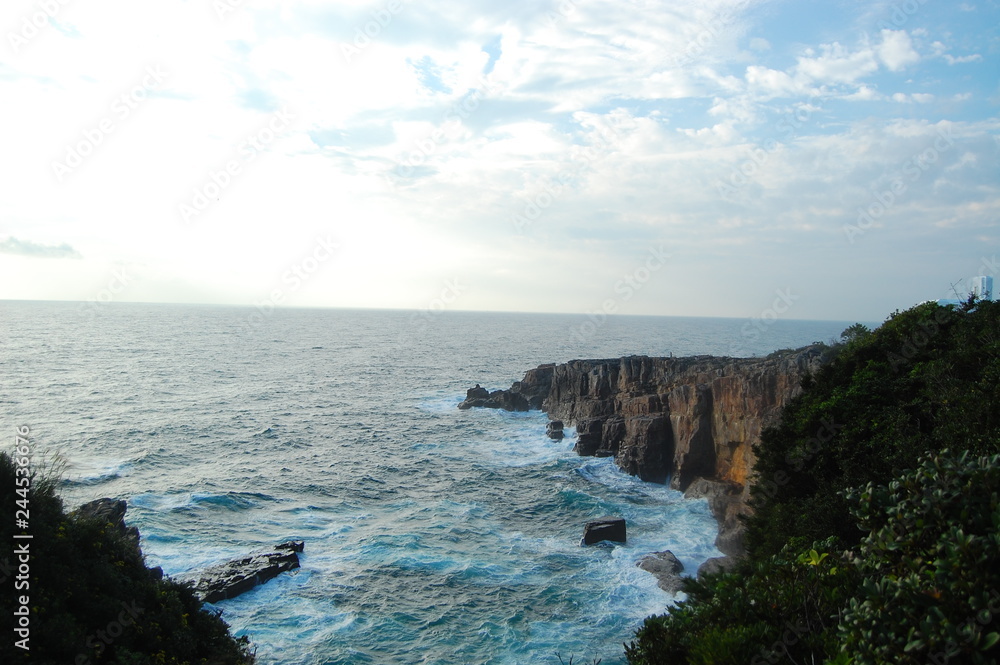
{"points": [[432, 535]]}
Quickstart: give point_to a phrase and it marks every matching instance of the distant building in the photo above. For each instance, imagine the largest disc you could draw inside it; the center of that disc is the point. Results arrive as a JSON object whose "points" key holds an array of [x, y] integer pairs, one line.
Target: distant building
{"points": [[980, 286]]}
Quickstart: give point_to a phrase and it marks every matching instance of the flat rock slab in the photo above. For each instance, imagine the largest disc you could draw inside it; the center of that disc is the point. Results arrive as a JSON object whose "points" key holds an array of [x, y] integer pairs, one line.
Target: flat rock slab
{"points": [[230, 579], [608, 528]]}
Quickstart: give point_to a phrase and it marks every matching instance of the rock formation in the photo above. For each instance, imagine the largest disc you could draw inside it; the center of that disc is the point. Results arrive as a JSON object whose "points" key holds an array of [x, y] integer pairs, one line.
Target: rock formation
{"points": [[112, 512], [230, 579], [611, 529], [666, 568], [669, 419]]}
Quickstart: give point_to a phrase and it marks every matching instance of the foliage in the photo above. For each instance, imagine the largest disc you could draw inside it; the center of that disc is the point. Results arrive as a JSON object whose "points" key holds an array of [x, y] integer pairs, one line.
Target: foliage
{"points": [[932, 563], [786, 606], [925, 379], [93, 600]]}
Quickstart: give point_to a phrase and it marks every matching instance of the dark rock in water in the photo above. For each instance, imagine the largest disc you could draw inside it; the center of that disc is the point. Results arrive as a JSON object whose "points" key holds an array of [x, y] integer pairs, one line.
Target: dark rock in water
{"points": [[230, 579], [523, 395], [477, 396], [717, 565], [509, 400], [666, 568], [554, 430], [609, 528]]}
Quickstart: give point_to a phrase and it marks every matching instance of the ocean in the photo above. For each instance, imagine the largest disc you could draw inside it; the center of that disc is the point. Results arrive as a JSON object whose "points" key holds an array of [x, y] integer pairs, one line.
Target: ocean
{"points": [[432, 535]]}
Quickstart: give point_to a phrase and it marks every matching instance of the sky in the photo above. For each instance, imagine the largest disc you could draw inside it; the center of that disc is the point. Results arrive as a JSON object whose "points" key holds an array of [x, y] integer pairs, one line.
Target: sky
{"points": [[833, 160]]}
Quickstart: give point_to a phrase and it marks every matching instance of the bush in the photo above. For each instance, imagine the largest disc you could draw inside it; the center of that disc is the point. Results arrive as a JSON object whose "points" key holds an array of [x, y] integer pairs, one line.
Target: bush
{"points": [[932, 565], [786, 606], [926, 379]]}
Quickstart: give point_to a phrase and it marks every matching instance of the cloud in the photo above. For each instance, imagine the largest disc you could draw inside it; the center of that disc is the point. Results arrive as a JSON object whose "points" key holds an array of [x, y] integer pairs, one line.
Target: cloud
{"points": [[837, 64], [896, 50], [27, 248], [952, 60]]}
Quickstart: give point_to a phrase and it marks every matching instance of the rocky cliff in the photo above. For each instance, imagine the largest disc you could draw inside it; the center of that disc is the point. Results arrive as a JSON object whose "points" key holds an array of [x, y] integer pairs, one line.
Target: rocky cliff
{"points": [[676, 420]]}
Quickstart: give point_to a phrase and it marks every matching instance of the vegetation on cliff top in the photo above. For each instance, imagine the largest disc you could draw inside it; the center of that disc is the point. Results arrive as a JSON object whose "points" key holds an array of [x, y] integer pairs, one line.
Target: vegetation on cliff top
{"points": [[92, 599], [876, 532]]}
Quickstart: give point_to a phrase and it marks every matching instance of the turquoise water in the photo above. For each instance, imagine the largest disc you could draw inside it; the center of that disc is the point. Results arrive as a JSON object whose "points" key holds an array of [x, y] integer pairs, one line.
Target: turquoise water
{"points": [[432, 535]]}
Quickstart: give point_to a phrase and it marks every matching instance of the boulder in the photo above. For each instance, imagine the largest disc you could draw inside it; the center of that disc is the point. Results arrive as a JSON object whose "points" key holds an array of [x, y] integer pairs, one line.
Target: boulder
{"points": [[716, 565], [608, 528], [554, 430], [230, 579], [666, 568]]}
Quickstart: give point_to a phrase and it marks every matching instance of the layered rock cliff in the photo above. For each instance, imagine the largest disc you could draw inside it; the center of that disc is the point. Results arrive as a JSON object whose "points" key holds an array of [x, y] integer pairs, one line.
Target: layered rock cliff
{"points": [[676, 420]]}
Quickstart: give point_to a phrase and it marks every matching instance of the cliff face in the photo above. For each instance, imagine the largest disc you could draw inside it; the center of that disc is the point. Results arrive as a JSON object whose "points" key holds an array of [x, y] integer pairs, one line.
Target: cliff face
{"points": [[676, 419]]}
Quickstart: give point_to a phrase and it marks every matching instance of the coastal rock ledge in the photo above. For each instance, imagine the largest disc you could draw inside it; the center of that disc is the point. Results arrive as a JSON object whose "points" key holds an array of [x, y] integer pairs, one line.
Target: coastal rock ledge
{"points": [[675, 420], [232, 578]]}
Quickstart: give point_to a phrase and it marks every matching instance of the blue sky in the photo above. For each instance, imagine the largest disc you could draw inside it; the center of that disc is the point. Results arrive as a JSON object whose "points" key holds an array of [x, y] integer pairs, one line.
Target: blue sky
{"points": [[677, 158]]}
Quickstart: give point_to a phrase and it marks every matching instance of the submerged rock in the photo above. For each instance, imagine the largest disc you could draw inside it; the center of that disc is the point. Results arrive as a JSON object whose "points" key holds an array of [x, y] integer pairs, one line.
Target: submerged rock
{"points": [[230, 579], [609, 528], [666, 568]]}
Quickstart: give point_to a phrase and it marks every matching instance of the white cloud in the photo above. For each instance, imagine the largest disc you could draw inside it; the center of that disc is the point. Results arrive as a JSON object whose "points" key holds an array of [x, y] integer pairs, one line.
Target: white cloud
{"points": [[896, 50], [952, 60], [616, 121], [837, 64]]}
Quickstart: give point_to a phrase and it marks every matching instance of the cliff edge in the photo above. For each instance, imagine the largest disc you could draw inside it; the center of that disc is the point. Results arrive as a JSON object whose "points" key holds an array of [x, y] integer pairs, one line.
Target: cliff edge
{"points": [[689, 421]]}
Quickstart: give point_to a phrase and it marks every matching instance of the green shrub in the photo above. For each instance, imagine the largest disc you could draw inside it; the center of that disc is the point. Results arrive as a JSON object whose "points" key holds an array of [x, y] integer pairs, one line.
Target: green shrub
{"points": [[932, 565], [926, 379], [786, 606]]}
